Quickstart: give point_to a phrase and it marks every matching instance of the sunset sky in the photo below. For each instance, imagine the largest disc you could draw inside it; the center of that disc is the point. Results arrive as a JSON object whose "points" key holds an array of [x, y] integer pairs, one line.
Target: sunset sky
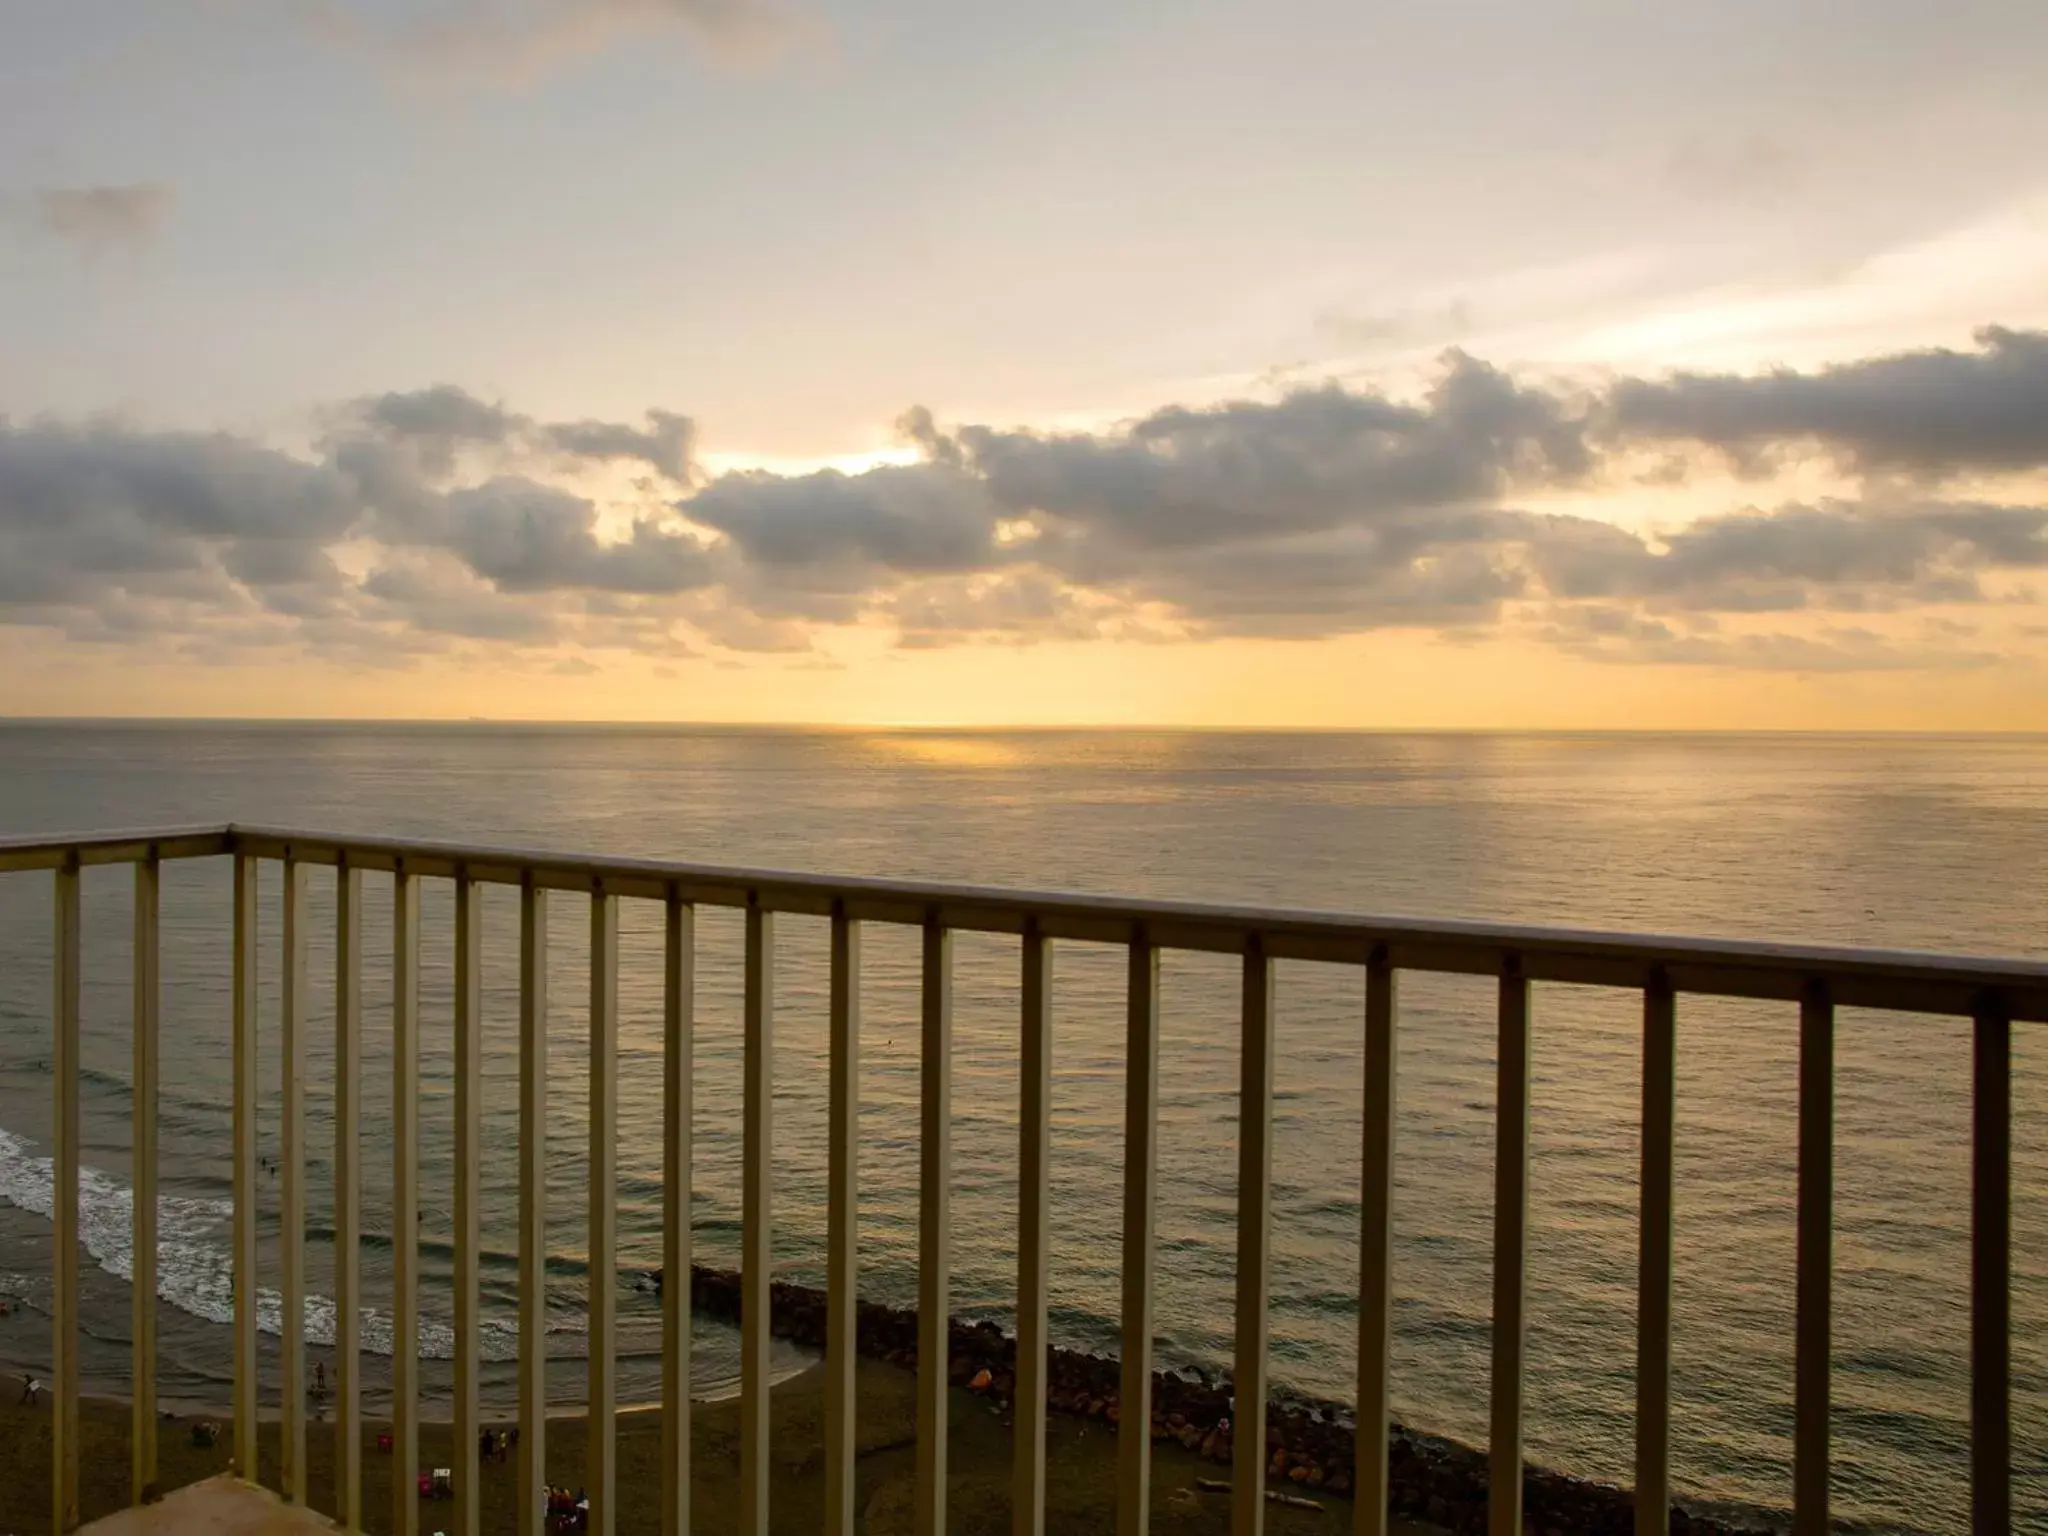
{"points": [[1219, 362]]}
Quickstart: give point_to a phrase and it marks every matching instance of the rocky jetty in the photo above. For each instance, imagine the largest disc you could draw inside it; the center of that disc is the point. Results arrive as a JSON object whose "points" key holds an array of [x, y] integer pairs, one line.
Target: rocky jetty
{"points": [[1309, 1445]]}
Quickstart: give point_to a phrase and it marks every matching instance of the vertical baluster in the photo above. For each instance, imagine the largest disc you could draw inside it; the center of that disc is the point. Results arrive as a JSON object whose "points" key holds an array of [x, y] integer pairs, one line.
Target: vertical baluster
{"points": [[533, 1205], [64, 1204], [1254, 1242], [934, 1223], [1815, 1258], [1376, 1247], [291, 1219], [244, 1029], [465, 1412], [842, 1262], [1653, 1270], [1510, 1248], [757, 1124], [1991, 1275], [601, 1427], [1034, 1120], [1141, 1178], [142, 1287], [679, 960], [348, 1202], [405, 1203]]}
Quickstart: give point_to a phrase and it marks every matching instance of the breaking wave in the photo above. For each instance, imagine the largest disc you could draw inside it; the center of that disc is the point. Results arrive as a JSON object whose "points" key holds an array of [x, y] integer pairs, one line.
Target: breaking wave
{"points": [[195, 1259]]}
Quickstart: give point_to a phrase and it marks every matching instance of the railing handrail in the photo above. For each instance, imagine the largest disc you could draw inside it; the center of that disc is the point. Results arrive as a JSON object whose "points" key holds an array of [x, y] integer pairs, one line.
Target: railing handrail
{"points": [[1909, 980], [51, 850], [1991, 992]]}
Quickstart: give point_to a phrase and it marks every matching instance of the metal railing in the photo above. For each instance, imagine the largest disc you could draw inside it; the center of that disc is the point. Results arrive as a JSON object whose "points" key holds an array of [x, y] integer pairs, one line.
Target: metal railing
{"points": [[1994, 994]]}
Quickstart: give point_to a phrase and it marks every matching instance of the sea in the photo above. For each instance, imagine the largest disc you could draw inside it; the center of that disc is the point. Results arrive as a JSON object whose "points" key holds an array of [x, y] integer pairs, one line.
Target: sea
{"points": [[1932, 842]]}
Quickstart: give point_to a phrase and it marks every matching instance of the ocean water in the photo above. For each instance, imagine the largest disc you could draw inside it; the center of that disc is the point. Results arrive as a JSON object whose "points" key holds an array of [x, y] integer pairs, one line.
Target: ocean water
{"points": [[1925, 842]]}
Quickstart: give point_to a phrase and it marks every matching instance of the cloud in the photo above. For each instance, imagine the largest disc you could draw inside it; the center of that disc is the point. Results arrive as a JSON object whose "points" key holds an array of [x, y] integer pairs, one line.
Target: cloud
{"points": [[1836, 554], [1619, 636], [441, 597], [1326, 584], [90, 506], [1932, 552], [1325, 510], [441, 414], [666, 445], [106, 528], [1929, 414], [523, 536], [433, 517], [1316, 459], [901, 518], [102, 218], [435, 426], [1329, 511], [516, 41]]}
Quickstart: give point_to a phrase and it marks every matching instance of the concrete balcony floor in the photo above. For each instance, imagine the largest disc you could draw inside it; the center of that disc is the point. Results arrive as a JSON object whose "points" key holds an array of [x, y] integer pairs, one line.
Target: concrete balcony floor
{"points": [[220, 1506]]}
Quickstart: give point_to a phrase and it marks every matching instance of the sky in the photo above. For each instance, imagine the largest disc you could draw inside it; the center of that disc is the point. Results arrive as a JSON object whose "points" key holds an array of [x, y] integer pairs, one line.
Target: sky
{"points": [[1598, 364]]}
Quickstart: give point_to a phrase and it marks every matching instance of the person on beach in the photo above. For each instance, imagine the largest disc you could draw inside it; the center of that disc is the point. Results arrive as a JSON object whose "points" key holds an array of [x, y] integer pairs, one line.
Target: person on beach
{"points": [[30, 1387]]}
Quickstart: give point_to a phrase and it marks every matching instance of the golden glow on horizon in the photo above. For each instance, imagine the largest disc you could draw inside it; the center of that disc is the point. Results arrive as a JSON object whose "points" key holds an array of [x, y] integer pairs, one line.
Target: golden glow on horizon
{"points": [[1381, 681], [943, 751]]}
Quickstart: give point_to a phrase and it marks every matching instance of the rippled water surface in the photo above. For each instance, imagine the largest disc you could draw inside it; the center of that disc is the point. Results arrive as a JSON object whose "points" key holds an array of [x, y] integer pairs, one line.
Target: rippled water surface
{"points": [[1923, 842]]}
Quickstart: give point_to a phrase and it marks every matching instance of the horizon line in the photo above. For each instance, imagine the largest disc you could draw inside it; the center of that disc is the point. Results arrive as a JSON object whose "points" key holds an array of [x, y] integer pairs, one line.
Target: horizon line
{"points": [[822, 727]]}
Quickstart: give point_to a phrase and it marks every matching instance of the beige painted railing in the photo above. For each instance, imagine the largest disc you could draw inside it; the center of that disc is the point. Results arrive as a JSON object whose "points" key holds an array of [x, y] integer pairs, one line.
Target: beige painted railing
{"points": [[1993, 993]]}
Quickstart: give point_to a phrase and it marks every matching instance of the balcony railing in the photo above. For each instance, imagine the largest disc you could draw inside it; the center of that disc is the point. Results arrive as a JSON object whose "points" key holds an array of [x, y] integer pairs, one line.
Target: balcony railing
{"points": [[1994, 994]]}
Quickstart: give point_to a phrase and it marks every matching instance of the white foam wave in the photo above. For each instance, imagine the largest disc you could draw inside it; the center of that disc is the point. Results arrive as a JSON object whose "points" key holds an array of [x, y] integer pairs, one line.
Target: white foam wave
{"points": [[195, 1262]]}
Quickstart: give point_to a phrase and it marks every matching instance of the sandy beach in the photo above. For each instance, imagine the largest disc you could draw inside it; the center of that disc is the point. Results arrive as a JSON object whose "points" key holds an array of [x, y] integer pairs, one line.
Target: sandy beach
{"points": [[1081, 1477]]}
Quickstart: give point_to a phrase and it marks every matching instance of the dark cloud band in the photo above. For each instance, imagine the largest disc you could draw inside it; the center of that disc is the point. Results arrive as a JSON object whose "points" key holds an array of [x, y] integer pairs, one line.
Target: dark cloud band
{"points": [[1329, 510]]}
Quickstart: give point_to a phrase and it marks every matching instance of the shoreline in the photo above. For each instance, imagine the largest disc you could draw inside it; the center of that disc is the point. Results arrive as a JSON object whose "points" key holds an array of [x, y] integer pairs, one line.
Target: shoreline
{"points": [[12, 1372], [187, 1409]]}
